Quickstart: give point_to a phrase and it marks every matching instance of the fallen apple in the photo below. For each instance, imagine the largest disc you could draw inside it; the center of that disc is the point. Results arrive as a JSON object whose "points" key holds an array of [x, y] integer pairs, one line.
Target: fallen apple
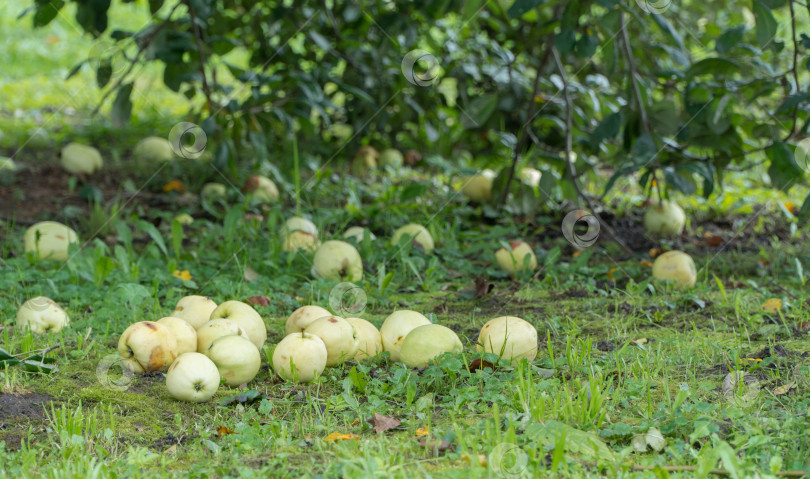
{"points": [[303, 317], [664, 219], [337, 260], [41, 315], [236, 358], [391, 157], [261, 189], [192, 377], [147, 346], [478, 188], [675, 266], [300, 241], [153, 149], [49, 240], [80, 159], [357, 233], [364, 161], [246, 317], [213, 192], [184, 333], [369, 339], [396, 326], [300, 357], [338, 335], [215, 329], [195, 309], [184, 219], [426, 342], [7, 164], [296, 223], [420, 236], [530, 176], [509, 337], [515, 260]]}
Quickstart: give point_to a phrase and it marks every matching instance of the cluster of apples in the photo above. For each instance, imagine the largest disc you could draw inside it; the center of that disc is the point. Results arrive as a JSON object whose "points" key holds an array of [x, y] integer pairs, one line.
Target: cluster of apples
{"points": [[667, 219], [317, 339]]}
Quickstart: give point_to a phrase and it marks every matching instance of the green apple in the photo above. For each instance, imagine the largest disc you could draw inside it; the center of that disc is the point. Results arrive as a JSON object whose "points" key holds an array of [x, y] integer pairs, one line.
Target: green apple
{"points": [[195, 309], [391, 157], [300, 357], [514, 260], [300, 241], [396, 326], [261, 189], [215, 329], [303, 317], [246, 317], [184, 219], [664, 219], [147, 346], [426, 342], [153, 149], [184, 333], [7, 164], [296, 223], [337, 260], [509, 337], [357, 233], [49, 240], [41, 315], [237, 359], [478, 188], [192, 377], [80, 159], [420, 236], [365, 160], [530, 176], [338, 335], [675, 266], [213, 191], [369, 339]]}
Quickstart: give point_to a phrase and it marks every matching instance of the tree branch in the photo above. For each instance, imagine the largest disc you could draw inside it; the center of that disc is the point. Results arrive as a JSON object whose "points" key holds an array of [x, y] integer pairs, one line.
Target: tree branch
{"points": [[795, 72], [631, 63], [569, 125], [198, 41]]}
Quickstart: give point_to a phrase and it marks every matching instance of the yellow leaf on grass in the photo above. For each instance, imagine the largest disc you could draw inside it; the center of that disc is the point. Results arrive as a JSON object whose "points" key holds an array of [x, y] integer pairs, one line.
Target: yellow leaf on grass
{"points": [[610, 273], [771, 305], [783, 389], [336, 436], [480, 460], [423, 431], [576, 254], [175, 185], [184, 274]]}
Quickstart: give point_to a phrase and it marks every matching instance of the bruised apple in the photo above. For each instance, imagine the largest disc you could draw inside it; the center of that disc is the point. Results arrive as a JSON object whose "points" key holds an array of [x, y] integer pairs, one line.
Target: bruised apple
{"points": [[184, 333], [147, 346], [261, 188], [509, 337], [300, 357], [41, 315], [396, 327], [215, 329], [49, 240]]}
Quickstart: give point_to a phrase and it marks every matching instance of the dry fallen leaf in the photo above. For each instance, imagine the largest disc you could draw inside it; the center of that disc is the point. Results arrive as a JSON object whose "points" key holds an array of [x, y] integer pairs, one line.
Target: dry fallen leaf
{"points": [[576, 254], [259, 300], [712, 240], [640, 341], [223, 431], [610, 273], [383, 423], [435, 444], [772, 305], [336, 436], [250, 274], [783, 389], [644, 262], [479, 363], [482, 287], [654, 252], [175, 185], [423, 431], [170, 451], [478, 460]]}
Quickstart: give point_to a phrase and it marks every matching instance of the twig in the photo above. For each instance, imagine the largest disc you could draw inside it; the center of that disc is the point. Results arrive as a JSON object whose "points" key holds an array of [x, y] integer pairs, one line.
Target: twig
{"points": [[198, 41], [145, 43], [42, 352], [569, 125], [795, 72], [631, 63]]}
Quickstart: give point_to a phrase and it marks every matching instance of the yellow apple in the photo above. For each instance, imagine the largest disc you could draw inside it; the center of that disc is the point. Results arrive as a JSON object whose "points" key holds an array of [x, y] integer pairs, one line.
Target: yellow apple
{"points": [[357, 233], [675, 266], [337, 260], [303, 317], [41, 315], [515, 260], [147, 346], [49, 240], [338, 335], [396, 326], [213, 192], [296, 223], [426, 342], [478, 187], [369, 338], [261, 189], [80, 159], [300, 357], [530, 176], [153, 149], [192, 377], [215, 329], [195, 309], [509, 337], [246, 317], [184, 333], [237, 359], [419, 235], [300, 241], [391, 157], [664, 219]]}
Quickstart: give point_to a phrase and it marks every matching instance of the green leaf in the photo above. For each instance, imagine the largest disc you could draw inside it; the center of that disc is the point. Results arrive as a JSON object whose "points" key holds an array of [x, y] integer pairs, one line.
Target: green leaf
{"points": [[678, 181], [320, 40], [729, 39], [104, 73], [766, 24], [664, 117], [774, 4], [666, 27], [804, 211], [564, 41], [576, 442], [122, 106], [73, 71], [784, 171], [153, 233], [154, 6], [713, 66], [607, 129], [5, 355], [476, 114], [47, 12], [177, 238], [792, 102], [520, 7]]}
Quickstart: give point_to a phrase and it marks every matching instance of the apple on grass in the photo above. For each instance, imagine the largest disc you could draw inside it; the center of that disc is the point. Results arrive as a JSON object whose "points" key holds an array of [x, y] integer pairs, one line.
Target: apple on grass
{"points": [[303, 317], [184, 333], [419, 235], [297, 223], [369, 339], [391, 157], [215, 329], [396, 326], [664, 218], [300, 241], [337, 260], [195, 309], [514, 260], [357, 233], [478, 188], [300, 357], [147, 346], [192, 377], [261, 189], [530, 176], [213, 191], [153, 149], [675, 266], [78, 159], [365, 160], [246, 317], [236, 358], [509, 337], [41, 315], [49, 240], [338, 335], [426, 342]]}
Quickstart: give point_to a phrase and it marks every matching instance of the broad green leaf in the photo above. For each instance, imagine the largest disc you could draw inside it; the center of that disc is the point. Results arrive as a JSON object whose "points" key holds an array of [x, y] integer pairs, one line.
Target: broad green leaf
{"points": [[793, 101], [607, 129], [520, 7], [153, 233], [804, 212], [47, 12], [666, 27], [713, 66], [729, 39], [784, 171], [664, 117], [476, 114], [122, 106], [103, 73], [578, 443], [766, 24]]}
